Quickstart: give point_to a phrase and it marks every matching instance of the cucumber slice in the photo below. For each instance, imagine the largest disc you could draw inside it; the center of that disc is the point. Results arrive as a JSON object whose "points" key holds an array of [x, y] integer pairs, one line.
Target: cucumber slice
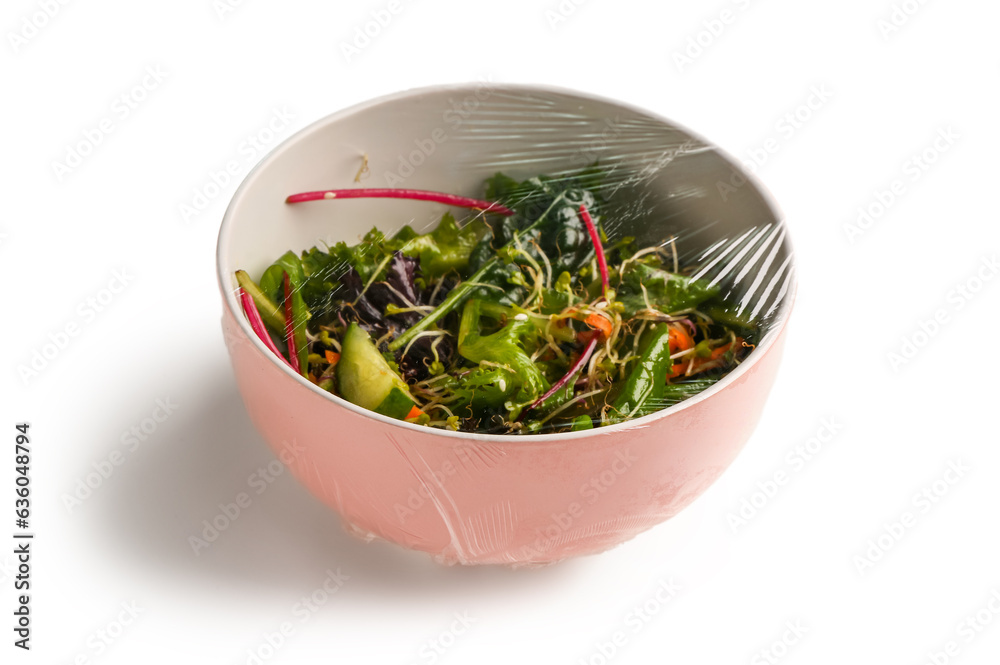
{"points": [[365, 378], [397, 404]]}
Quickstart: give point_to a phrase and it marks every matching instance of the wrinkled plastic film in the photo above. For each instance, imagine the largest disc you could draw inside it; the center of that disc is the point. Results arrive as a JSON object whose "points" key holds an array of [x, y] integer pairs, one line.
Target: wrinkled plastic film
{"points": [[516, 499], [664, 185]]}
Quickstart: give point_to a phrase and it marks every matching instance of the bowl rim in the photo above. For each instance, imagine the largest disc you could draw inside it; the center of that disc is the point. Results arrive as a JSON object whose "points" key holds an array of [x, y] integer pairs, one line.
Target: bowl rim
{"points": [[234, 309]]}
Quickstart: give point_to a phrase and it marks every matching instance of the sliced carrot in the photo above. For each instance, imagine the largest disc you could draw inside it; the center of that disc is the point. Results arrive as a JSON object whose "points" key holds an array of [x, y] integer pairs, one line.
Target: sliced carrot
{"points": [[681, 367], [679, 340], [332, 357], [598, 322], [415, 412], [717, 353]]}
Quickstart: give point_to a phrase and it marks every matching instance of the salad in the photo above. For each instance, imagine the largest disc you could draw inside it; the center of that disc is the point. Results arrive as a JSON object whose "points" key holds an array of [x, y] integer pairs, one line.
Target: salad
{"points": [[523, 318]]}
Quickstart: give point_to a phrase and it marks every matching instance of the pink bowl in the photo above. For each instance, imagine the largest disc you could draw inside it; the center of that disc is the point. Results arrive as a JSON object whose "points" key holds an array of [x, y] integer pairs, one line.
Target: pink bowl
{"points": [[478, 499]]}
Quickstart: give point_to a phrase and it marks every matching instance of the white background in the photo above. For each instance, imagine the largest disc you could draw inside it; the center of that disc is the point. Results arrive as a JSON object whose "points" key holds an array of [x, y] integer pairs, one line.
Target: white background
{"points": [[898, 425]]}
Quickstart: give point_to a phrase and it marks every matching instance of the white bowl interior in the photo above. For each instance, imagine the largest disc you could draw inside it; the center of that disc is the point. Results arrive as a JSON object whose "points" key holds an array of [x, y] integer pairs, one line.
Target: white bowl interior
{"points": [[452, 138]]}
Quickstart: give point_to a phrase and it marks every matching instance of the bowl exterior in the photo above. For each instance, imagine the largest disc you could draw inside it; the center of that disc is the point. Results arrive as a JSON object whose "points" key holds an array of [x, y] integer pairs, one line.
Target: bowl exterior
{"points": [[467, 498], [510, 502]]}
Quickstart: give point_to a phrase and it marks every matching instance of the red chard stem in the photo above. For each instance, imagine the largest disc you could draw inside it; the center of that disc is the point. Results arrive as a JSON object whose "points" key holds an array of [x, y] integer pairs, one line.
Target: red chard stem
{"points": [[253, 316], [293, 353], [601, 261], [389, 193], [561, 383]]}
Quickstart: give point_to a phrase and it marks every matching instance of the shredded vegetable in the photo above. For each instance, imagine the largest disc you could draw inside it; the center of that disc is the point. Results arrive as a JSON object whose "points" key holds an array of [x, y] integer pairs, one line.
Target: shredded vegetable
{"points": [[525, 318]]}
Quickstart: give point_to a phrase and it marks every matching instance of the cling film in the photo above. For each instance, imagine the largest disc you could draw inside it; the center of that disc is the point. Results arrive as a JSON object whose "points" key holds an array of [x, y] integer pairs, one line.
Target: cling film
{"points": [[542, 277]]}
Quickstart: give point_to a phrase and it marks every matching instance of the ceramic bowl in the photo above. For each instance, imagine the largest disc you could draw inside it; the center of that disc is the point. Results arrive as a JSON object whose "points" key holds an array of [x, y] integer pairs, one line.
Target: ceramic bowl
{"points": [[505, 499]]}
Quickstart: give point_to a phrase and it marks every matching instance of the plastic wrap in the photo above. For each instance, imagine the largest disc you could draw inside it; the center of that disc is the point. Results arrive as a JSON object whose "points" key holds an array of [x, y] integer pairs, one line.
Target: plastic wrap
{"points": [[513, 499]]}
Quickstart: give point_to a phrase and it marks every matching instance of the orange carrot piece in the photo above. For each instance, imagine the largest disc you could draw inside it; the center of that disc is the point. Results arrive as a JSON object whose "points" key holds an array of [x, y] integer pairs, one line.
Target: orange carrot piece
{"points": [[683, 365], [332, 357], [679, 340], [679, 368], [599, 322], [717, 353], [415, 412]]}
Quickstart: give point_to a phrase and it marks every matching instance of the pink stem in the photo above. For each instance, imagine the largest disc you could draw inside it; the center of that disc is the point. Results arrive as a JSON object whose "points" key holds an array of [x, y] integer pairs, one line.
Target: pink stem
{"points": [[253, 316], [601, 261], [293, 353], [416, 194], [561, 383]]}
